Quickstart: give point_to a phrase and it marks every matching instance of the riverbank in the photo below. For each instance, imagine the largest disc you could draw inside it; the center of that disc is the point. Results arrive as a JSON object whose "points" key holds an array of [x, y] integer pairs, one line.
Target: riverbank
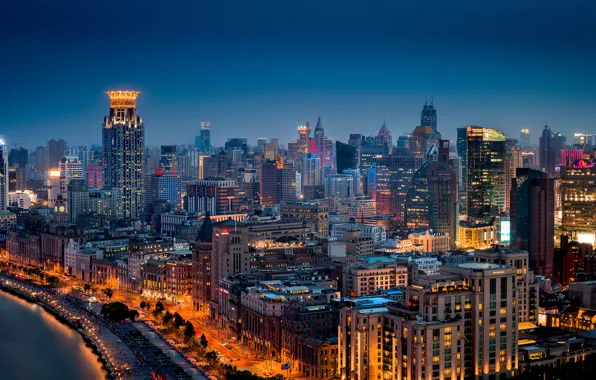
{"points": [[70, 324]]}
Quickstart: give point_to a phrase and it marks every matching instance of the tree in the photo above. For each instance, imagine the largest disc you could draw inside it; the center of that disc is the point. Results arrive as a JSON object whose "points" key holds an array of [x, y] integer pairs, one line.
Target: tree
{"points": [[178, 320], [167, 317], [86, 288], [189, 330], [133, 314], [143, 305], [53, 282], [159, 307], [108, 292], [115, 311], [211, 356], [203, 340]]}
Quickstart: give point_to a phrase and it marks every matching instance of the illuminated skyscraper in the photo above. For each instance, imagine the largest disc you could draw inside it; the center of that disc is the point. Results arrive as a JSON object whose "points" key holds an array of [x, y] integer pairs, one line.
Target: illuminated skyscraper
{"points": [[203, 140], [578, 195], [524, 138], [428, 116], [547, 152], [3, 174], [484, 172], [124, 151]]}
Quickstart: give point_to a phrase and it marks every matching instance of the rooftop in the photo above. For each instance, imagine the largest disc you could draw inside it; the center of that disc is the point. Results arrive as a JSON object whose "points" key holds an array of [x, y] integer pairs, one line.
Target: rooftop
{"points": [[482, 266]]}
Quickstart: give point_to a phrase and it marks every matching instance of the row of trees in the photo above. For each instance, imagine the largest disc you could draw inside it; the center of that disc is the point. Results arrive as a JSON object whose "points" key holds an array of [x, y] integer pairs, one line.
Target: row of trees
{"points": [[117, 312]]}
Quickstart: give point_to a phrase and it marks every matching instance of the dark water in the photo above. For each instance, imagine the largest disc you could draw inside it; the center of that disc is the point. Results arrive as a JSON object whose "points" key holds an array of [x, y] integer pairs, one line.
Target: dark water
{"points": [[33, 345]]}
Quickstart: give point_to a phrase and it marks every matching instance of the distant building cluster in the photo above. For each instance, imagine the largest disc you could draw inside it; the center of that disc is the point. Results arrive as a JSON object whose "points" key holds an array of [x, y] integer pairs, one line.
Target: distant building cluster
{"points": [[379, 257]]}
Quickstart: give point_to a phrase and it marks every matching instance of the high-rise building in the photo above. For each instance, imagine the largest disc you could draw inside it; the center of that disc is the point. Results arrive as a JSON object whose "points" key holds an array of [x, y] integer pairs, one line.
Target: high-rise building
{"points": [[559, 144], [203, 141], [346, 156], [124, 151], [278, 182], [533, 218], [213, 196], [18, 157], [3, 174], [484, 172], [168, 159], [237, 143], [421, 139], [311, 170], [513, 161], [56, 150], [341, 185], [547, 152], [416, 205], [443, 210], [163, 185], [524, 138], [385, 138], [428, 116], [229, 256], [578, 195]]}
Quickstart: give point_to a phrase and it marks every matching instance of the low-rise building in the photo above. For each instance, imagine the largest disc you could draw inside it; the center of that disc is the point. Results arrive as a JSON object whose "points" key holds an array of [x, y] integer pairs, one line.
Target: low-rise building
{"points": [[371, 275], [434, 242]]}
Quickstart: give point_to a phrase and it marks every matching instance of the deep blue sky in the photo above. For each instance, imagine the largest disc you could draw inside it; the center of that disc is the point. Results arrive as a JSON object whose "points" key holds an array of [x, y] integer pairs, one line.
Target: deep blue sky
{"points": [[261, 68]]}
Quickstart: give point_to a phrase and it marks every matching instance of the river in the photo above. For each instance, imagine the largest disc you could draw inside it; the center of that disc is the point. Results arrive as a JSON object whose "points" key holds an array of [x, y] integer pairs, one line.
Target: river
{"points": [[34, 345]]}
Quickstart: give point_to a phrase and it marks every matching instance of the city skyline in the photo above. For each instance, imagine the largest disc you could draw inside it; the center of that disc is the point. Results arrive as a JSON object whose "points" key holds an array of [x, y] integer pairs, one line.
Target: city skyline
{"points": [[295, 63]]}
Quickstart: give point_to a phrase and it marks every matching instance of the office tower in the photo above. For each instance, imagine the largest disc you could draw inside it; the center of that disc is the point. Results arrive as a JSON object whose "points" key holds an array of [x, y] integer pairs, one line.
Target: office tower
{"points": [[124, 151], [56, 150], [578, 195], [301, 147], [94, 175], [17, 179], [560, 143], [168, 159], [322, 146], [533, 218], [443, 207], [346, 156], [344, 185], [270, 149], [237, 143], [318, 139], [582, 140], [71, 168], [513, 161], [485, 172], [428, 116], [213, 196], [18, 157], [462, 152], [524, 138], [316, 214], [261, 141], [385, 138], [229, 255], [311, 170], [203, 141], [416, 204], [547, 152], [278, 182], [201, 267], [3, 174], [163, 185]]}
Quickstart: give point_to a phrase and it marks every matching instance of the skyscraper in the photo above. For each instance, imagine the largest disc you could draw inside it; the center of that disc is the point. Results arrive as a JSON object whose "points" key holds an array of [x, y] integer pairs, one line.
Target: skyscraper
{"points": [[346, 156], [547, 152], [484, 172], [513, 161], [533, 218], [3, 174], [578, 195], [203, 141], [278, 182], [163, 185], [524, 138], [443, 210], [385, 138], [168, 160], [124, 151], [56, 150], [428, 116]]}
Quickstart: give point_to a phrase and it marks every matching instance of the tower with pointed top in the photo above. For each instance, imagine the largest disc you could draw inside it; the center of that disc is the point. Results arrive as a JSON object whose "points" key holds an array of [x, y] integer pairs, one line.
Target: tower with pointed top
{"points": [[385, 137], [124, 151], [428, 116]]}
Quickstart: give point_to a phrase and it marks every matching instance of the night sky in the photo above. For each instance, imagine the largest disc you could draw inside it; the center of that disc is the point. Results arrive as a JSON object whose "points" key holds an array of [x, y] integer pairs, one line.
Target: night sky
{"points": [[261, 68]]}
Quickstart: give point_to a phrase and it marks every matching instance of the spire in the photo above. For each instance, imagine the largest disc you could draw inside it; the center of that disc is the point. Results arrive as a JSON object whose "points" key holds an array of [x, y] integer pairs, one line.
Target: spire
{"points": [[319, 125], [205, 234]]}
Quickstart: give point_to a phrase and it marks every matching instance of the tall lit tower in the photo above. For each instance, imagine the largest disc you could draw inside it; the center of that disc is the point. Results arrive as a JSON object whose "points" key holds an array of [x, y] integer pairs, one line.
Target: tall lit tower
{"points": [[3, 174], [304, 139], [428, 116], [485, 172], [124, 151], [524, 138], [205, 134]]}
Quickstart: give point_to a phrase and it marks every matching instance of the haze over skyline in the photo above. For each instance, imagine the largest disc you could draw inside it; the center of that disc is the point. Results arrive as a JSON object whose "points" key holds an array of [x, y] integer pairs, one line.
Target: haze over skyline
{"points": [[260, 70]]}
